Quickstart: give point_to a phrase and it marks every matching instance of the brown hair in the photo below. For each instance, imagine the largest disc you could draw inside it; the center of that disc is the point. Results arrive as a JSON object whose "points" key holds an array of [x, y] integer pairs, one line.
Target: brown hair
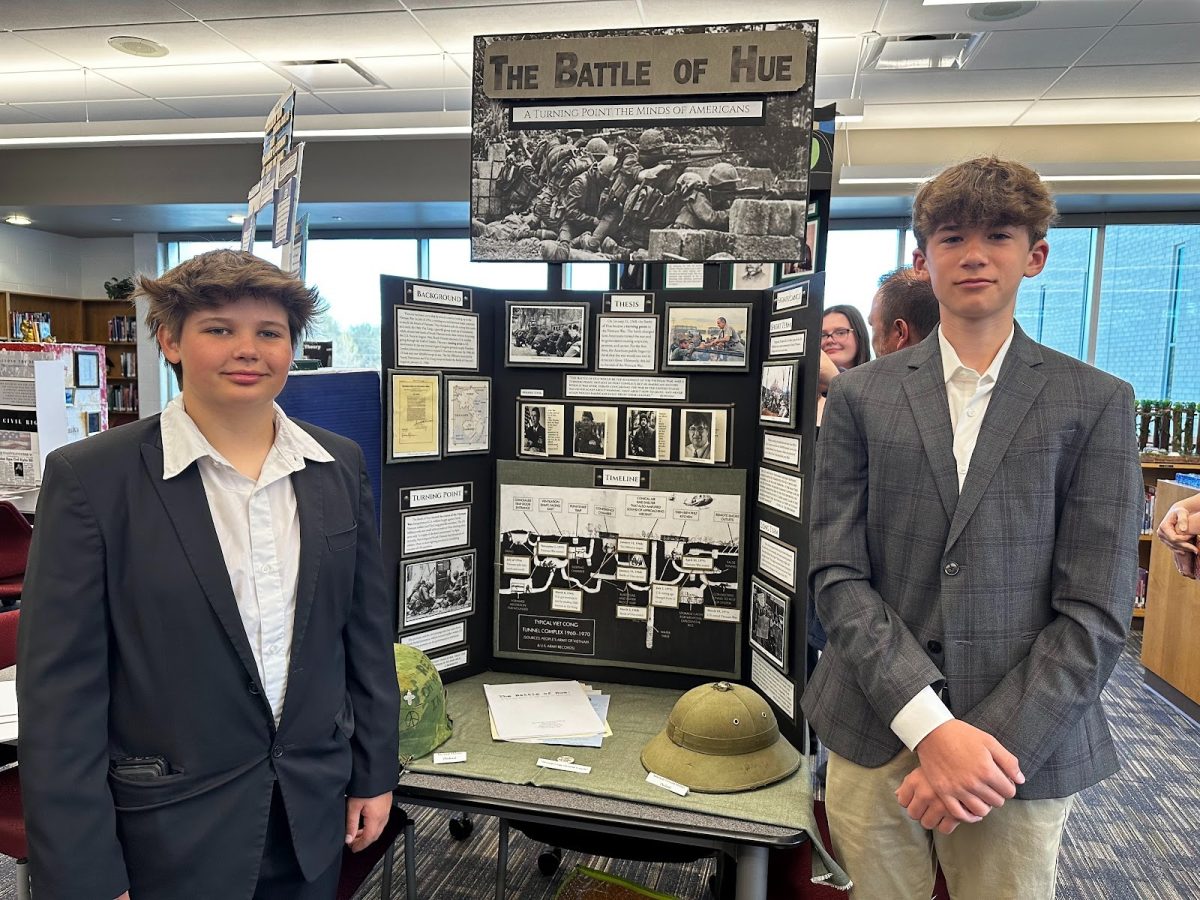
{"points": [[859, 326], [904, 294], [218, 277], [982, 192]]}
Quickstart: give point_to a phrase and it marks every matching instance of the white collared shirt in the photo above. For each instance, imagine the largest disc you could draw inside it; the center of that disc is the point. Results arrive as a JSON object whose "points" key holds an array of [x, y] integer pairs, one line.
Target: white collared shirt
{"points": [[258, 528], [968, 394]]}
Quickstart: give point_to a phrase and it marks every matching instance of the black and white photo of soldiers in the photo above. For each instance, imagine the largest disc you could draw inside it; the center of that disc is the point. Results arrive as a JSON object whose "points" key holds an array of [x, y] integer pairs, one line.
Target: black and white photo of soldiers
{"points": [[768, 623]]}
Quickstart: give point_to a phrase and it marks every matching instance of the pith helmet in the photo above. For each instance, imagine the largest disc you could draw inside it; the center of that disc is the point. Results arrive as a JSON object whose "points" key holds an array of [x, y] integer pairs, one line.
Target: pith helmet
{"points": [[424, 725], [721, 738]]}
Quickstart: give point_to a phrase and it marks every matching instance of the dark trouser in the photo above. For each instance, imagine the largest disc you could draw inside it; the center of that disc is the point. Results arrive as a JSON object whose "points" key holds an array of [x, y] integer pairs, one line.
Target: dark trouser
{"points": [[279, 876]]}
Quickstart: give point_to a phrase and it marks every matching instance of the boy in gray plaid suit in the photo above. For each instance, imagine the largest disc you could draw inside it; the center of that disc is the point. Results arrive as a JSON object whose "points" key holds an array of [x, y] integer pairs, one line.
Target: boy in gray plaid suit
{"points": [[974, 552]]}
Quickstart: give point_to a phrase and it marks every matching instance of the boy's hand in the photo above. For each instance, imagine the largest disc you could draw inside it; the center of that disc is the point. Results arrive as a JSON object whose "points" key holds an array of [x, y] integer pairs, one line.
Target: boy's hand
{"points": [[969, 769], [1178, 530], [365, 819], [924, 805]]}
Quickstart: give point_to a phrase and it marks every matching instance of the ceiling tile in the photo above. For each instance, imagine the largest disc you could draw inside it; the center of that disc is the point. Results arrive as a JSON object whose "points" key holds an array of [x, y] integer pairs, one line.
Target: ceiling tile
{"points": [[911, 17], [832, 87], [1033, 49], [23, 14], [240, 9], [257, 106], [48, 87], [1145, 44], [328, 37], [18, 55], [189, 42], [838, 18], [200, 81], [408, 72], [1157, 12], [942, 115], [389, 101], [838, 56], [1181, 80], [102, 111], [947, 86], [1123, 110], [453, 28], [11, 115]]}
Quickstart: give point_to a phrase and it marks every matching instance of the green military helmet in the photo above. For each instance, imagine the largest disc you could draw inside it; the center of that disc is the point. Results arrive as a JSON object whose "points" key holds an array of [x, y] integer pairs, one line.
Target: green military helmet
{"points": [[424, 725]]}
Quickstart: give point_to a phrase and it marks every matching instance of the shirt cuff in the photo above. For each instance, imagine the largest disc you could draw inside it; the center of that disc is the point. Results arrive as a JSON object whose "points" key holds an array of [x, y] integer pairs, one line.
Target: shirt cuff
{"points": [[919, 716]]}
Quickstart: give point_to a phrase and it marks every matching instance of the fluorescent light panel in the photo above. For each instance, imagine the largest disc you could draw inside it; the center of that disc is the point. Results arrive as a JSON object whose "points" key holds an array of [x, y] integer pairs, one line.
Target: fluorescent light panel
{"points": [[1055, 172], [84, 140]]}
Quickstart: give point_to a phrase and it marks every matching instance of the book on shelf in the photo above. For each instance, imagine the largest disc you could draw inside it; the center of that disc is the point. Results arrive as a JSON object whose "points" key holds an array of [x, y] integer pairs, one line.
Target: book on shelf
{"points": [[1148, 510], [123, 398], [39, 320], [128, 360], [122, 329], [1139, 597]]}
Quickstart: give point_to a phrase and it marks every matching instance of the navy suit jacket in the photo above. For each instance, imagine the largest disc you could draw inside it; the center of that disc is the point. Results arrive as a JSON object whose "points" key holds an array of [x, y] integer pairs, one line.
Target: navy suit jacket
{"points": [[131, 645]]}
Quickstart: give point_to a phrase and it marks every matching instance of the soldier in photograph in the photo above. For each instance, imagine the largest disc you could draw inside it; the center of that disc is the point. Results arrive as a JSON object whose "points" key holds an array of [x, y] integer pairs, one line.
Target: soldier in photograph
{"points": [[535, 431]]}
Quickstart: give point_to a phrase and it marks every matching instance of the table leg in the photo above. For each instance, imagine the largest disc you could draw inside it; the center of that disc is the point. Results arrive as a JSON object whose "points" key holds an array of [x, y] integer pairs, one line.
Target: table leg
{"points": [[751, 873], [410, 860], [502, 861]]}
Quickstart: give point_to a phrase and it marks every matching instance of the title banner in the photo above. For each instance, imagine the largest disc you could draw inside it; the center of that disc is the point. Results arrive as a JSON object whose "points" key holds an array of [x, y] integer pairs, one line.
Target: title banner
{"points": [[659, 65]]}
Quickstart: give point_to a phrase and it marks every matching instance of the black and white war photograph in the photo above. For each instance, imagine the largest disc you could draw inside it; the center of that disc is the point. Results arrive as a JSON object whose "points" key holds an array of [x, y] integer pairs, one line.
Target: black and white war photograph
{"points": [[440, 587], [547, 335], [752, 276], [777, 394], [642, 432], [769, 623], [648, 173]]}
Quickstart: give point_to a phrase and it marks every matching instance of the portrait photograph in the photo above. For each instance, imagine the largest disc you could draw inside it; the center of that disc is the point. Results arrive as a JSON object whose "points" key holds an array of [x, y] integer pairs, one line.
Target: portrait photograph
{"points": [[696, 436], [752, 276], [594, 432], [708, 338], [437, 587], [769, 623], [777, 394], [647, 433], [533, 429], [551, 334]]}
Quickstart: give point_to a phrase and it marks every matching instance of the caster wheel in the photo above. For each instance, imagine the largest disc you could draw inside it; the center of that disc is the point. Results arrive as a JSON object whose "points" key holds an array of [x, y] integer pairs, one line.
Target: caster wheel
{"points": [[461, 828], [548, 861]]}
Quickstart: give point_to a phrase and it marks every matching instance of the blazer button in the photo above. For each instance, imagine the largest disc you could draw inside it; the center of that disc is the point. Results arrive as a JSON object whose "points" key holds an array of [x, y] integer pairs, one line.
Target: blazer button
{"points": [[253, 688], [951, 568], [277, 751], [934, 646]]}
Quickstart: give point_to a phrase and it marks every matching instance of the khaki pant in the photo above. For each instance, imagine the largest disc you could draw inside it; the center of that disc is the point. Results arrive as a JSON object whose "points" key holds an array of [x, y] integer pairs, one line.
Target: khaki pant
{"points": [[1012, 854]]}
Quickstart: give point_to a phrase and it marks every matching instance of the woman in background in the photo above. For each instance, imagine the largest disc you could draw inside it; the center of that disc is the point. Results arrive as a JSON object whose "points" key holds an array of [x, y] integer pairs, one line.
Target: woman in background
{"points": [[845, 343]]}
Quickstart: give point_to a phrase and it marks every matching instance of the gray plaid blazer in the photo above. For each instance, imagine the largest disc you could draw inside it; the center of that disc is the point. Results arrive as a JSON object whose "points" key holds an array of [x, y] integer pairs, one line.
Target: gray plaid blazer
{"points": [[1014, 597]]}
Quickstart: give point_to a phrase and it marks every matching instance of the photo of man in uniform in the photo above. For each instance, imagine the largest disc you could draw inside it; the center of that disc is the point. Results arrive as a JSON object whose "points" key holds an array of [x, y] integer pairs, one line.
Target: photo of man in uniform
{"points": [[534, 437]]}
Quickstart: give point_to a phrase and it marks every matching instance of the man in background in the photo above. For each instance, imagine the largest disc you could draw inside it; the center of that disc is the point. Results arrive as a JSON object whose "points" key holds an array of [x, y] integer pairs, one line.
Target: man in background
{"points": [[903, 312]]}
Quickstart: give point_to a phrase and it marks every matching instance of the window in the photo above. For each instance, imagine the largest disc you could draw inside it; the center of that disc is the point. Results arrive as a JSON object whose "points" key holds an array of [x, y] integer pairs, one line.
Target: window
{"points": [[586, 276], [1053, 307], [450, 261], [854, 263], [1150, 309]]}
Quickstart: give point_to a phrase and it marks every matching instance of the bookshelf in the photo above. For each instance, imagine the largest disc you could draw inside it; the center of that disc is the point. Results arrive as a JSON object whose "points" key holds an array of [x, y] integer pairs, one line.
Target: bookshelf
{"points": [[1154, 469], [88, 321]]}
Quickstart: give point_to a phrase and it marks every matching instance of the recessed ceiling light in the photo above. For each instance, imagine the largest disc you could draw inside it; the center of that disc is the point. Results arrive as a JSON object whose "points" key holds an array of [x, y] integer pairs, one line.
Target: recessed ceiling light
{"points": [[137, 46], [18, 219], [236, 218], [999, 12], [336, 218], [116, 219]]}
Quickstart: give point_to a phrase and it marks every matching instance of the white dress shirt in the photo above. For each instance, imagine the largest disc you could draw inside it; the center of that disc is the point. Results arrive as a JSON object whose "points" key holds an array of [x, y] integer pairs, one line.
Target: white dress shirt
{"points": [[258, 528], [968, 394]]}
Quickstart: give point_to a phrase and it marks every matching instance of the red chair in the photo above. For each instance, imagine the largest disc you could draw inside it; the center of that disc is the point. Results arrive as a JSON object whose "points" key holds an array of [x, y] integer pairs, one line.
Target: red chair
{"points": [[15, 536], [12, 814]]}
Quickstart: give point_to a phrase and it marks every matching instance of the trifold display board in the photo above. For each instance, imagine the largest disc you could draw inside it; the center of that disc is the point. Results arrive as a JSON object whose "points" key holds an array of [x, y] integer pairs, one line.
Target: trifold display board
{"points": [[603, 486]]}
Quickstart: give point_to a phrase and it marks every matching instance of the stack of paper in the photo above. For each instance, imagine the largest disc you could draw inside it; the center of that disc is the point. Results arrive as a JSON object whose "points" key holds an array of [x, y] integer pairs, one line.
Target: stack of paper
{"points": [[564, 713], [8, 711]]}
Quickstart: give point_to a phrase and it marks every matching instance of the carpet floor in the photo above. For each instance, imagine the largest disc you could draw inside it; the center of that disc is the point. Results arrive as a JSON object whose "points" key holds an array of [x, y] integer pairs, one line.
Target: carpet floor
{"points": [[1134, 837]]}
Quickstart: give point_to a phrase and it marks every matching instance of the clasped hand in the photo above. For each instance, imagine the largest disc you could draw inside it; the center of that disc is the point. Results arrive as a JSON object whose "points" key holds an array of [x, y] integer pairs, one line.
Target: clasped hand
{"points": [[964, 774], [1178, 530]]}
